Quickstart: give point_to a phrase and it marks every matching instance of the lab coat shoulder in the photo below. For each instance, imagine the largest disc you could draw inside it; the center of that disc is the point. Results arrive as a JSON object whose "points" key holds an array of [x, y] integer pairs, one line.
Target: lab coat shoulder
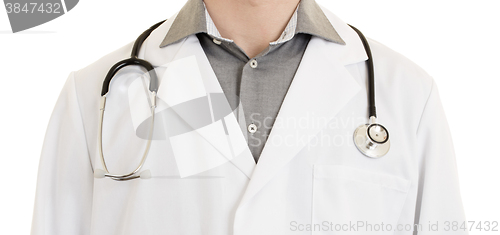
{"points": [[402, 83], [88, 80], [90, 77]]}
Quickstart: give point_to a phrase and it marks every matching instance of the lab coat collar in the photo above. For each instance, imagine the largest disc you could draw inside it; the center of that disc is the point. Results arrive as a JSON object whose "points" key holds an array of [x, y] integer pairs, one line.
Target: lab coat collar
{"points": [[310, 20], [190, 20], [321, 87]]}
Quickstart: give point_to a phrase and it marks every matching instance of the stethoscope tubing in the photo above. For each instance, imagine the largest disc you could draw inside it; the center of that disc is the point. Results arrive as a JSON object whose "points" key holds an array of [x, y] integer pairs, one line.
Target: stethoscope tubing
{"points": [[372, 110]]}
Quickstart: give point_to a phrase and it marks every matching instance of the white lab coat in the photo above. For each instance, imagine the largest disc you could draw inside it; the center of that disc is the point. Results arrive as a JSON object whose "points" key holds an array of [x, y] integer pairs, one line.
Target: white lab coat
{"points": [[310, 178]]}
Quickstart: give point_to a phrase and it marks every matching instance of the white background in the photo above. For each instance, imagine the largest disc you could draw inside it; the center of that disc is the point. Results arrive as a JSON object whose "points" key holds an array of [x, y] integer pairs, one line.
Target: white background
{"points": [[457, 42]]}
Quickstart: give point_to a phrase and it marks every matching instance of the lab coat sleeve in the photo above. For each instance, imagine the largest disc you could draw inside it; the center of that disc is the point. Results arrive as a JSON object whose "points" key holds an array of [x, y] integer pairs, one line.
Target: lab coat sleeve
{"points": [[64, 188], [439, 199]]}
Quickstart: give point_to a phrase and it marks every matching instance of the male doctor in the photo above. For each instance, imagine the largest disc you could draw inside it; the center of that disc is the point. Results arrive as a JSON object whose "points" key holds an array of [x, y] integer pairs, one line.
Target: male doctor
{"points": [[280, 87]]}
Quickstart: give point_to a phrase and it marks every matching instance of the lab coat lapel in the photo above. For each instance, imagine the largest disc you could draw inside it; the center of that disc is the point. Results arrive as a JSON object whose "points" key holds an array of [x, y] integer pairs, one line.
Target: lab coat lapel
{"points": [[187, 77], [321, 87]]}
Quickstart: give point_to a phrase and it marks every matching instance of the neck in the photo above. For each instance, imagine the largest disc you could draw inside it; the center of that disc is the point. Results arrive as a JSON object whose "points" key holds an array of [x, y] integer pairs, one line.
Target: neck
{"points": [[251, 24]]}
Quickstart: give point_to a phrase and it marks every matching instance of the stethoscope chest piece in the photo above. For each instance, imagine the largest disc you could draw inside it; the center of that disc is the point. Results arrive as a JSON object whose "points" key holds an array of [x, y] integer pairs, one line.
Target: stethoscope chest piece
{"points": [[372, 139]]}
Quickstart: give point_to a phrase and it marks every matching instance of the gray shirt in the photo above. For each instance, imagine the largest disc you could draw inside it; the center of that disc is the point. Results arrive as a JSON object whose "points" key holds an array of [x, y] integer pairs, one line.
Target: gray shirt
{"points": [[254, 87], [256, 90]]}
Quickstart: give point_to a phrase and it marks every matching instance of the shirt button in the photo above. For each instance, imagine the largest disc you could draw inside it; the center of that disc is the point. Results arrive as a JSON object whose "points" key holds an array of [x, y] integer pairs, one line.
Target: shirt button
{"points": [[252, 128], [253, 63], [217, 41]]}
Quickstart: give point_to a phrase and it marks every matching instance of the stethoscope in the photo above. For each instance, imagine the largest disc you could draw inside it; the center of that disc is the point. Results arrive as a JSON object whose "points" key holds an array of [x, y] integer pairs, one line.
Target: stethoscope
{"points": [[153, 88], [371, 139]]}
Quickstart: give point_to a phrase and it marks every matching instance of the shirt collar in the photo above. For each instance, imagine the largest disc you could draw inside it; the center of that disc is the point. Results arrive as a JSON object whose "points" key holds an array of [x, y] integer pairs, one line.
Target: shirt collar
{"points": [[308, 18]]}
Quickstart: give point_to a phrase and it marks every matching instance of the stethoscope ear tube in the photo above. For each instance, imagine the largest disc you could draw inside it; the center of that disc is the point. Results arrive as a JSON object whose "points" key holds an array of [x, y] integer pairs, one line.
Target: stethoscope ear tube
{"points": [[153, 78], [98, 173], [372, 110], [140, 40]]}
